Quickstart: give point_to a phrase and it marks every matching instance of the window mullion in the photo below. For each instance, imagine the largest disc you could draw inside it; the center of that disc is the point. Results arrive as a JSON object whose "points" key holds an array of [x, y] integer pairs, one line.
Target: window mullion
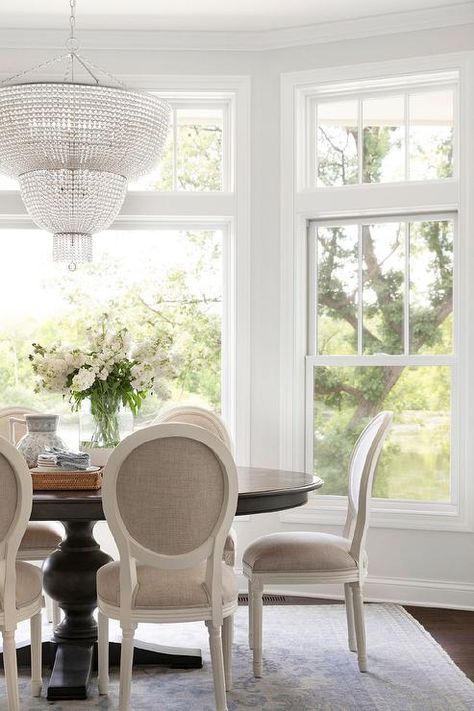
{"points": [[313, 345], [360, 292], [360, 141], [407, 136], [175, 149], [406, 295]]}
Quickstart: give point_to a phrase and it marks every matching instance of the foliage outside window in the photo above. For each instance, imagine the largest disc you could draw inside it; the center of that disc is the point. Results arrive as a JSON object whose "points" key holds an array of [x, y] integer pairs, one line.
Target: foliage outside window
{"points": [[194, 153], [164, 284], [384, 138], [385, 289]]}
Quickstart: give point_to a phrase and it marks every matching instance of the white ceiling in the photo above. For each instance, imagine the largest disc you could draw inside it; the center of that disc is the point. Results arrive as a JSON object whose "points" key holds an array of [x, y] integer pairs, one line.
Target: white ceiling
{"points": [[200, 15]]}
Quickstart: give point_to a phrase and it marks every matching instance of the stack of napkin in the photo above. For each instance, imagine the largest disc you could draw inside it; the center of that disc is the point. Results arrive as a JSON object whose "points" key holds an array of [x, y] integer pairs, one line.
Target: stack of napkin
{"points": [[75, 461]]}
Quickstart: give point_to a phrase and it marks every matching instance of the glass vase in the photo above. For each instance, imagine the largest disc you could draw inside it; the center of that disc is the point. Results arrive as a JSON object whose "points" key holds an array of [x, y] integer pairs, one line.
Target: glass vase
{"points": [[103, 424]]}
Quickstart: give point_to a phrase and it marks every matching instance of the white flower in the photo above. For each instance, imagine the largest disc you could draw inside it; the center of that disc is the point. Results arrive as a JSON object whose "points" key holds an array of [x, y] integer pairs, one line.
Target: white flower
{"points": [[83, 380], [161, 389]]}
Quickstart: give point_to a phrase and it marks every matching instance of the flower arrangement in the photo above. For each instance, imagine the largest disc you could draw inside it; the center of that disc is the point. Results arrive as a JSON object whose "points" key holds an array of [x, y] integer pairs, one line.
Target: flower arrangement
{"points": [[109, 373]]}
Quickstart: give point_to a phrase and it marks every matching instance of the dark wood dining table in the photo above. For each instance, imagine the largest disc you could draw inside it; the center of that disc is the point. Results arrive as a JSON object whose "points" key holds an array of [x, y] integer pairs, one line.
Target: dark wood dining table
{"points": [[70, 572]]}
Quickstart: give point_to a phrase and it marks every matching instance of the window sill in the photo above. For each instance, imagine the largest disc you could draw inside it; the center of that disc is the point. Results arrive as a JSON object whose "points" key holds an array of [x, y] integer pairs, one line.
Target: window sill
{"points": [[384, 514]]}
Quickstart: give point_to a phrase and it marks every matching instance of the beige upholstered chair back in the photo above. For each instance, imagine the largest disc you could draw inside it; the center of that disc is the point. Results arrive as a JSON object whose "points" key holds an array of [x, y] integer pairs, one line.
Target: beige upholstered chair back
{"points": [[20, 429], [362, 468], [170, 494], [16, 497], [200, 416]]}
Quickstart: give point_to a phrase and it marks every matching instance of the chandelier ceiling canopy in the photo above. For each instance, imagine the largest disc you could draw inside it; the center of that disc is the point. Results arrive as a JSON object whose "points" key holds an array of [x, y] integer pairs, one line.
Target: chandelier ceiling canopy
{"points": [[74, 146]]}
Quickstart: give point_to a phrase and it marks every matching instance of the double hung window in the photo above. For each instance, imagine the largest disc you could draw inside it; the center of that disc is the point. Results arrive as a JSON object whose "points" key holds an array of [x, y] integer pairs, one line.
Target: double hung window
{"points": [[380, 250]]}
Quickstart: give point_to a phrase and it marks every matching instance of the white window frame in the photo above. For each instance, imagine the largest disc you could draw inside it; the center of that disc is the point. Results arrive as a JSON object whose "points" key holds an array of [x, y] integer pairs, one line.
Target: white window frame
{"points": [[227, 210], [300, 204]]}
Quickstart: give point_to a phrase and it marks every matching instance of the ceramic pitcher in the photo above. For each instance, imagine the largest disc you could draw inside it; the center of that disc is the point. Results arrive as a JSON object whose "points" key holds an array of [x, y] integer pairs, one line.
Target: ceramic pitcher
{"points": [[40, 433]]}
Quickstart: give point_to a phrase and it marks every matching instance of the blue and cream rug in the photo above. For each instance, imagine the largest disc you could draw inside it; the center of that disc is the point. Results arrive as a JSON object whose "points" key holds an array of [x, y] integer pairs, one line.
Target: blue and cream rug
{"points": [[307, 667]]}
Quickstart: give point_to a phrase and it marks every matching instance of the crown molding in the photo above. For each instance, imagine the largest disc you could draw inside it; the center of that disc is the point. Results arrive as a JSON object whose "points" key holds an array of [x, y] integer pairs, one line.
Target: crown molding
{"points": [[151, 41]]}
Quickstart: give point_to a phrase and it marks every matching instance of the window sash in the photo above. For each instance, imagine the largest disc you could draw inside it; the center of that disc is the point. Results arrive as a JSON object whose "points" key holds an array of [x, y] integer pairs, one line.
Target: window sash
{"points": [[312, 306], [313, 99], [314, 359]]}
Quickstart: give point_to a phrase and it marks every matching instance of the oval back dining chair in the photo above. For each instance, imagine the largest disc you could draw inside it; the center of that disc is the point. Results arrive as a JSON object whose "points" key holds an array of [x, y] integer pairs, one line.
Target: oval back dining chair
{"points": [[41, 538], [169, 495], [306, 557], [209, 420], [20, 582]]}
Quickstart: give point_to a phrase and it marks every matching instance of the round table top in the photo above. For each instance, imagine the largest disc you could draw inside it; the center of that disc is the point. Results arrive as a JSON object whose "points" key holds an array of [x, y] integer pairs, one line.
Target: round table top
{"points": [[260, 491]]}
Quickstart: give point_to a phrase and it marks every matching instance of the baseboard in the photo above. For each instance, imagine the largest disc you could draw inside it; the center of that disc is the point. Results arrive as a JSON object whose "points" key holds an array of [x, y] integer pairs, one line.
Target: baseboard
{"points": [[404, 591]]}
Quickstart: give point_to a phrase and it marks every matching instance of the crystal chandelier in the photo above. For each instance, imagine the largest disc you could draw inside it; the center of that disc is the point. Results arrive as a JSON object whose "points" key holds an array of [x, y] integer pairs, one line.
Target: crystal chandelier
{"points": [[74, 145]]}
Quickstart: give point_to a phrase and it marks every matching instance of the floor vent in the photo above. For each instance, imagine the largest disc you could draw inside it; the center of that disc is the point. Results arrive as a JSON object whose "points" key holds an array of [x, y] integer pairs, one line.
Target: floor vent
{"points": [[267, 599]]}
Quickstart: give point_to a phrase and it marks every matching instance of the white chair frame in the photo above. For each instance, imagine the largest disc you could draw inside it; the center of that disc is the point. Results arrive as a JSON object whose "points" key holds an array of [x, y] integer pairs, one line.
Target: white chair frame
{"points": [[10, 616], [355, 529], [173, 414], [34, 554], [216, 616]]}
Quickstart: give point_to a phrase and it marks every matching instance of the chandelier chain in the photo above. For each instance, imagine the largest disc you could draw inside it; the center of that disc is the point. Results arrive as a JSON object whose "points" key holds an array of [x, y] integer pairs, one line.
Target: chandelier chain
{"points": [[72, 17]]}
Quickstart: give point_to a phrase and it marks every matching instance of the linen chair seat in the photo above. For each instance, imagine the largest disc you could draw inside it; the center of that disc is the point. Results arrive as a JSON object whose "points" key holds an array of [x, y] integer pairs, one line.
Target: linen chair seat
{"points": [[164, 589], [40, 536], [299, 551], [29, 584]]}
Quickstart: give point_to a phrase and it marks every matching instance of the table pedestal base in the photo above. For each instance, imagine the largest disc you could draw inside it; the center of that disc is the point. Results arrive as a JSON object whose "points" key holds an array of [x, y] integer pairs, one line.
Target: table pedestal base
{"points": [[73, 663]]}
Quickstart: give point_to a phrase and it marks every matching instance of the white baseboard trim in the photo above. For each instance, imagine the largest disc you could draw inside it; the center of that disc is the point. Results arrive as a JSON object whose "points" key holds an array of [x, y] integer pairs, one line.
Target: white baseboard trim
{"points": [[404, 591]]}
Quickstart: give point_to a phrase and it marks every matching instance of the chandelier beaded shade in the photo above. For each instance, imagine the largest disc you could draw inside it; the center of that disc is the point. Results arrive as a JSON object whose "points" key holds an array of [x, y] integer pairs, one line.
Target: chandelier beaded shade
{"points": [[82, 201], [73, 146], [47, 126]]}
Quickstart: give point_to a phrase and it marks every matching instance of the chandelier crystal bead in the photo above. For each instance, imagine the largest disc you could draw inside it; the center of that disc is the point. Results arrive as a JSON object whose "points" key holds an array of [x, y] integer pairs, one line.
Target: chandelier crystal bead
{"points": [[72, 248]]}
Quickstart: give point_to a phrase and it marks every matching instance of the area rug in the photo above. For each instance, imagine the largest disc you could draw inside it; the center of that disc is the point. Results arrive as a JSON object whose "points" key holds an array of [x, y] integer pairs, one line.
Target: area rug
{"points": [[307, 667]]}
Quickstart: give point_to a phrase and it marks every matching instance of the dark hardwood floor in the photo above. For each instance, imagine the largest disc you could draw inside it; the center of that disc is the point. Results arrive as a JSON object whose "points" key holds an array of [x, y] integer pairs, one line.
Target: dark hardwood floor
{"points": [[452, 629]]}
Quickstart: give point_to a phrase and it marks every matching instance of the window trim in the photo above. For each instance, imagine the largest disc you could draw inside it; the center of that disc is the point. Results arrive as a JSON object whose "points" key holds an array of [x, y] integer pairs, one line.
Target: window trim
{"points": [[299, 205]]}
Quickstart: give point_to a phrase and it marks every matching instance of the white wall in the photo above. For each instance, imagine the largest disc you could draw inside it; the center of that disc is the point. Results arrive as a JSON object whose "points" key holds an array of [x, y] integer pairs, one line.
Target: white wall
{"points": [[405, 565]]}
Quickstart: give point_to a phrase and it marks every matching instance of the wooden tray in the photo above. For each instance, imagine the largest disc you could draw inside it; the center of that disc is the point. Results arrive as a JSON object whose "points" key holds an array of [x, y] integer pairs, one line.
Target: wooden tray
{"points": [[66, 480]]}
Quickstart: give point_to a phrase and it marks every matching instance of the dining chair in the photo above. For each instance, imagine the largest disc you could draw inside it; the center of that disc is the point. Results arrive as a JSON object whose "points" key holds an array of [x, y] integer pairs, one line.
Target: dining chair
{"points": [[20, 582], [41, 538], [306, 557], [209, 420], [169, 495]]}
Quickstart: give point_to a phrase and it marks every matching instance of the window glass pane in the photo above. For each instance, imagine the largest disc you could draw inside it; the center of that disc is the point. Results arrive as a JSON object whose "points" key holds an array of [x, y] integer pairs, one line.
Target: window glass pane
{"points": [[431, 135], [383, 287], [337, 255], [415, 462], [199, 149], [431, 286], [337, 142], [157, 283], [384, 139], [195, 161], [161, 178]]}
